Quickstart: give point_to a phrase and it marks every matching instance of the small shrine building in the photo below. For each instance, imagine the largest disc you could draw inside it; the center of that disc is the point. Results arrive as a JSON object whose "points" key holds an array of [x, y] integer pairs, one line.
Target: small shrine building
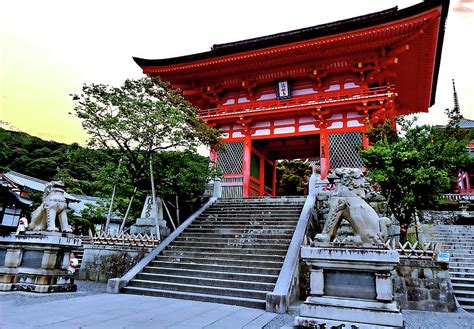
{"points": [[309, 93]]}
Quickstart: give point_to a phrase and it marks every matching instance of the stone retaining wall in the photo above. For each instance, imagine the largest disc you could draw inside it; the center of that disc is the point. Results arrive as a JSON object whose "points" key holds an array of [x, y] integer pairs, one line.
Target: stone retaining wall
{"points": [[103, 262], [423, 285], [444, 217]]}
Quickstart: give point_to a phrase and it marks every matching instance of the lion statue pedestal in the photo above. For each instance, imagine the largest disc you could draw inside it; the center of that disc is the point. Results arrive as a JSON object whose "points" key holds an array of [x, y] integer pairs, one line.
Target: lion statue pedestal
{"points": [[37, 259], [350, 278]]}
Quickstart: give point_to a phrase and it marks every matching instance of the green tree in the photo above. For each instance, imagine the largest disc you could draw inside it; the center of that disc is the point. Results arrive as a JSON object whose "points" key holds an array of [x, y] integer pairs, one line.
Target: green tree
{"points": [[292, 177], [413, 168], [181, 173], [140, 118], [45, 168]]}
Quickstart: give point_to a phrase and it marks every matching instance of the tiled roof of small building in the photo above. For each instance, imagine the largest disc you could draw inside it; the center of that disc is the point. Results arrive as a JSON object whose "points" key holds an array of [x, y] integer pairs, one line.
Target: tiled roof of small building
{"points": [[466, 123], [32, 183]]}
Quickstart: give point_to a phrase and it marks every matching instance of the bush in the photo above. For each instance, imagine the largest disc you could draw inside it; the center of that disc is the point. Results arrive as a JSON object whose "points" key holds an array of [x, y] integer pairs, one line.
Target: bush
{"points": [[447, 205]]}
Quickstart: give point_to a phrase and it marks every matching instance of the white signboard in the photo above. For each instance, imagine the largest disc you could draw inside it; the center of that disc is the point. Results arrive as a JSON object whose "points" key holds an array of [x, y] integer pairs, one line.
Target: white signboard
{"points": [[283, 89], [443, 257]]}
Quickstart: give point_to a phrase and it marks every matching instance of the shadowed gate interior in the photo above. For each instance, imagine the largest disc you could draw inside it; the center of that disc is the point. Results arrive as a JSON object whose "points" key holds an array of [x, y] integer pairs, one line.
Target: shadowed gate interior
{"points": [[264, 154]]}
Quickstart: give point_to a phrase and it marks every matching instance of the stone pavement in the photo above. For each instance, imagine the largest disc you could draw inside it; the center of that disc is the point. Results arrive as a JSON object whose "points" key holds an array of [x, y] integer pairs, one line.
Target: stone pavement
{"points": [[129, 311]]}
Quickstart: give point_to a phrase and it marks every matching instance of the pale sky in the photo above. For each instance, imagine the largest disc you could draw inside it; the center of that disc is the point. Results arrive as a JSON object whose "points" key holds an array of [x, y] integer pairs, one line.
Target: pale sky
{"points": [[48, 49]]}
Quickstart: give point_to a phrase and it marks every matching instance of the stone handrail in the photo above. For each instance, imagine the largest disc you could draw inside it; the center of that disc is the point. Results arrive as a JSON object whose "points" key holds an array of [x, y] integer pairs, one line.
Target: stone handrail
{"points": [[114, 285], [279, 300]]}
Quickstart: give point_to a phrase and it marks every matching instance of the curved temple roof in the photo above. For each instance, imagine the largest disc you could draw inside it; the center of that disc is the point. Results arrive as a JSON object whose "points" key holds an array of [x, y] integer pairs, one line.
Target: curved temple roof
{"points": [[173, 69]]}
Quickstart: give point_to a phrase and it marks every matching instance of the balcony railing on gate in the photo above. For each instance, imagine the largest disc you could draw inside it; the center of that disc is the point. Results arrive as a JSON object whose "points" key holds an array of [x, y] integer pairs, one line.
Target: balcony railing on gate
{"points": [[339, 96]]}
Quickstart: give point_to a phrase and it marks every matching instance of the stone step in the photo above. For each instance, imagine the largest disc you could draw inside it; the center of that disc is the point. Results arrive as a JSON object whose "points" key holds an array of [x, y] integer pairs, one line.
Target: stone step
{"points": [[460, 274], [200, 289], [463, 280], [456, 242], [247, 302], [461, 264], [467, 249], [453, 227], [204, 281], [240, 215], [227, 256], [458, 253], [466, 257], [227, 250], [234, 231], [239, 268], [463, 293], [254, 277], [222, 245], [465, 300], [240, 221], [253, 212], [256, 206], [248, 226], [446, 234], [204, 235], [221, 261], [468, 308], [461, 269], [232, 240], [453, 238], [463, 286], [247, 202]]}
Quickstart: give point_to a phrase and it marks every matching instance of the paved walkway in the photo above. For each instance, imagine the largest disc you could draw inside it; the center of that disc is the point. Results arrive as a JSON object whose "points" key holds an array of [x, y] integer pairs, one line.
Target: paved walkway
{"points": [[129, 311]]}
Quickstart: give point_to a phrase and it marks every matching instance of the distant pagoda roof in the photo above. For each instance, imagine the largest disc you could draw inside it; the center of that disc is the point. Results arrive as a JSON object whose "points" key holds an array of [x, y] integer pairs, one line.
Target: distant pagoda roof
{"points": [[463, 124]]}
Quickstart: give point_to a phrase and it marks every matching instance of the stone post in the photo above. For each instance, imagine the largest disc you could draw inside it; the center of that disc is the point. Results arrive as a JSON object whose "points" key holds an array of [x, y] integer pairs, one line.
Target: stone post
{"points": [[317, 282], [383, 286], [13, 257], [49, 259], [217, 193], [315, 177]]}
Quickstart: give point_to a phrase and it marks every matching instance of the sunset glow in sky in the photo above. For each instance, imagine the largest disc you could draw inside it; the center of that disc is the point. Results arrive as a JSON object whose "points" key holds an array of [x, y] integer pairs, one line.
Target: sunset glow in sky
{"points": [[48, 49]]}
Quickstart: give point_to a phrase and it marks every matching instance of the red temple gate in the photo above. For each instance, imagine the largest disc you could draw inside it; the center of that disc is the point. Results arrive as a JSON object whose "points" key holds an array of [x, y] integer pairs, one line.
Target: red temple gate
{"points": [[309, 93]]}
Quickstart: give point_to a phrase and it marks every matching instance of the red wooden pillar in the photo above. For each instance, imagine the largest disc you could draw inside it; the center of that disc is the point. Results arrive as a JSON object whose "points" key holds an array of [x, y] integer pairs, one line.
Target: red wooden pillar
{"points": [[262, 175], [246, 165], [324, 153], [365, 141], [274, 180], [213, 155]]}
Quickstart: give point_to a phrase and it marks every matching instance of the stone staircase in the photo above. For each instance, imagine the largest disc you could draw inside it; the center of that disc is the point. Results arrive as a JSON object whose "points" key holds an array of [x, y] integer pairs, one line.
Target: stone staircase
{"points": [[79, 251], [458, 240], [231, 254]]}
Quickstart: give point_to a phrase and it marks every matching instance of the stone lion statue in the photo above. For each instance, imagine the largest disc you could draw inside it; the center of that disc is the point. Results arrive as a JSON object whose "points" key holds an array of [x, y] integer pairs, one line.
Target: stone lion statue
{"points": [[347, 202], [54, 204]]}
